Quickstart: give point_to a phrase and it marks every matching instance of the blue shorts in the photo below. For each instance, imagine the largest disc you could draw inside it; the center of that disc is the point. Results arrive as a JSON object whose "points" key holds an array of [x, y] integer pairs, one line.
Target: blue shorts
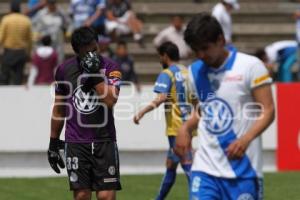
{"points": [[206, 187], [172, 156]]}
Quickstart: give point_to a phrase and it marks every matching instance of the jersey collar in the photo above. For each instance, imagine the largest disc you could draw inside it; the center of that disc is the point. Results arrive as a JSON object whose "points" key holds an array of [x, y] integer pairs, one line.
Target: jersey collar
{"points": [[227, 65]]}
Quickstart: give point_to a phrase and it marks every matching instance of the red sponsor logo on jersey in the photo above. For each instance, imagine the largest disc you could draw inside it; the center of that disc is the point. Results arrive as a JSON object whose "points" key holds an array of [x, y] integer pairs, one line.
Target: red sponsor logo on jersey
{"points": [[233, 78]]}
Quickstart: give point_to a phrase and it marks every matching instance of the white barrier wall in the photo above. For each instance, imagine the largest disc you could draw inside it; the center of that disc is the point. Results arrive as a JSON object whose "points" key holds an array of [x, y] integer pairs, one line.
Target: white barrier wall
{"points": [[25, 121]]}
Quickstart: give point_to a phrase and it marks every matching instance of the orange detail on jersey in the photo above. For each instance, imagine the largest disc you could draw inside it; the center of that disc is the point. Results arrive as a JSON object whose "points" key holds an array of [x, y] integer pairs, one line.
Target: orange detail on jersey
{"points": [[115, 74], [261, 79]]}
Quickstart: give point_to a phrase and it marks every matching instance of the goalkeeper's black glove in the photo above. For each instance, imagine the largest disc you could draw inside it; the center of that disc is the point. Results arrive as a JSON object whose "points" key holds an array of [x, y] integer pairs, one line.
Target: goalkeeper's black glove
{"points": [[54, 157], [91, 64]]}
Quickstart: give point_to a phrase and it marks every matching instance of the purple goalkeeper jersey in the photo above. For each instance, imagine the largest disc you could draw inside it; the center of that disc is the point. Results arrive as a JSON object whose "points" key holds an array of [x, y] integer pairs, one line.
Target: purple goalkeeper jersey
{"points": [[87, 119]]}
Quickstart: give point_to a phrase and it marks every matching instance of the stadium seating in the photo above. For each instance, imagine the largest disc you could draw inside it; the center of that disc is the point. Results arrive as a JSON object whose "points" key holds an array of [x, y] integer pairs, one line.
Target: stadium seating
{"points": [[256, 24]]}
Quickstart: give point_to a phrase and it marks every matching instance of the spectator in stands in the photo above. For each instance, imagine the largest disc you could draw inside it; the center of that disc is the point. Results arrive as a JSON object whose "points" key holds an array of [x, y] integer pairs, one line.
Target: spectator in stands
{"points": [[54, 22], [89, 13], [16, 39], [174, 33], [126, 64], [222, 12], [104, 47], [44, 61], [121, 20], [33, 6], [283, 53]]}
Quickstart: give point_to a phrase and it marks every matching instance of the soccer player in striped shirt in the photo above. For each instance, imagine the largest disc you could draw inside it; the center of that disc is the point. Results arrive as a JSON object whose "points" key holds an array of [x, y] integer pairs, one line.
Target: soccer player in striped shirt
{"points": [[234, 91], [171, 88]]}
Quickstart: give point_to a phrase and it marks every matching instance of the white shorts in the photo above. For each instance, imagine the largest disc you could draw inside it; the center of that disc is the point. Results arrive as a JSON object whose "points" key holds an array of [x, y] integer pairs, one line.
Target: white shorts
{"points": [[120, 26]]}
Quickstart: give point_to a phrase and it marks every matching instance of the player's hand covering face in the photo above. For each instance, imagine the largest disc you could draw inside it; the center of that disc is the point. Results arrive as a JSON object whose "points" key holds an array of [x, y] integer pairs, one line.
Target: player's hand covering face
{"points": [[54, 157], [90, 62]]}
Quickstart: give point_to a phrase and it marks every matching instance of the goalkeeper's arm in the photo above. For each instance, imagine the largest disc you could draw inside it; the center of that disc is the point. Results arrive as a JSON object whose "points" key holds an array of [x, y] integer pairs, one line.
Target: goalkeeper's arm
{"points": [[55, 144], [108, 94], [58, 117]]}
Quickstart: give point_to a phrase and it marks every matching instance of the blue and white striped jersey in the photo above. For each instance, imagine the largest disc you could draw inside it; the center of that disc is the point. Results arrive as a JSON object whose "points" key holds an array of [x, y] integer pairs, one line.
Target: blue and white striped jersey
{"points": [[227, 113]]}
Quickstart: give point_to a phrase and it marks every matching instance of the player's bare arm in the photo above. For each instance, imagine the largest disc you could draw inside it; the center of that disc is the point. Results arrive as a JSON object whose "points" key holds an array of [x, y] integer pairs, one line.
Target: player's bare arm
{"points": [[263, 96], [91, 65], [108, 92], [160, 98], [58, 115], [184, 135], [57, 124]]}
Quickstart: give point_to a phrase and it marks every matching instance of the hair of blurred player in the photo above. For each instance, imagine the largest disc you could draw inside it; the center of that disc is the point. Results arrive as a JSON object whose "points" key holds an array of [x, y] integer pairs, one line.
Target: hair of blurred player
{"points": [[202, 29], [122, 43], [46, 40], [82, 37], [15, 6], [262, 55], [169, 49]]}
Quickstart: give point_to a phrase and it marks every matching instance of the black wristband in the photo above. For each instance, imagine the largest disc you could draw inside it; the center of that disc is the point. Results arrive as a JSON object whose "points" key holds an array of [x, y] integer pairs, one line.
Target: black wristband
{"points": [[54, 143], [91, 82], [97, 80]]}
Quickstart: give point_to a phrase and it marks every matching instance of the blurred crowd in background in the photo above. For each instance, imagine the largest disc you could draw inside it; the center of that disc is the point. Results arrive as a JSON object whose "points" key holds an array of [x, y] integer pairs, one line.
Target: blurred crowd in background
{"points": [[38, 33], [33, 39]]}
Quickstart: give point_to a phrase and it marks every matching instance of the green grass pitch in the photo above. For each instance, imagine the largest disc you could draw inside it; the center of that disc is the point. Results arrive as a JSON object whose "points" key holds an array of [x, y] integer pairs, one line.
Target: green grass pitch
{"points": [[278, 186]]}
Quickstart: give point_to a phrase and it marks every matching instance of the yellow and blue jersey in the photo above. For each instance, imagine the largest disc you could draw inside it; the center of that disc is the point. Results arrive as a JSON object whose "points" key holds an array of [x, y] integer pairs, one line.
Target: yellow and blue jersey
{"points": [[173, 82]]}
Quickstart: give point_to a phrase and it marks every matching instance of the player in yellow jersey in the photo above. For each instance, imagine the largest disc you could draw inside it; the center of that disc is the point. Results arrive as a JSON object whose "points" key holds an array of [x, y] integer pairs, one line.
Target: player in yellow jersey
{"points": [[172, 90]]}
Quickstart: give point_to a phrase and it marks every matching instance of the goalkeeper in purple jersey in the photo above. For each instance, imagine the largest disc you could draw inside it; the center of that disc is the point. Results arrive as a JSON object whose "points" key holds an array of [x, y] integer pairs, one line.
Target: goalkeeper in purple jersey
{"points": [[87, 87]]}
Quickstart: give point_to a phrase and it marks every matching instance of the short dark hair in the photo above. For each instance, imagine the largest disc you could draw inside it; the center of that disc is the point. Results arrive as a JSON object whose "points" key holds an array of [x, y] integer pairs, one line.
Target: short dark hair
{"points": [[177, 16], [15, 6], [46, 40], [202, 29], [170, 49], [122, 43], [83, 36], [260, 53]]}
